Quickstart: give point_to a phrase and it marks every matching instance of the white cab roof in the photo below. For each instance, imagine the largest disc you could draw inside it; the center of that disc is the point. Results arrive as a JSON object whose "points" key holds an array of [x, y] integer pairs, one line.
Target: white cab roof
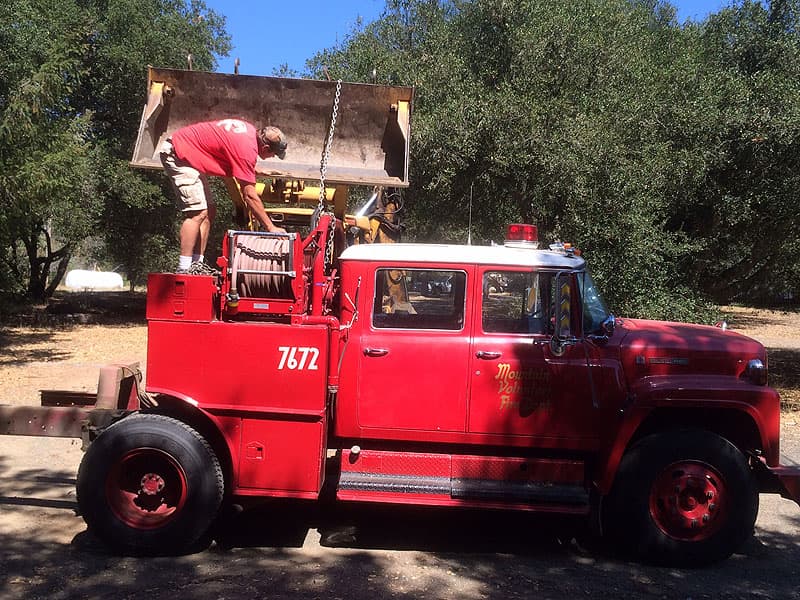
{"points": [[427, 254]]}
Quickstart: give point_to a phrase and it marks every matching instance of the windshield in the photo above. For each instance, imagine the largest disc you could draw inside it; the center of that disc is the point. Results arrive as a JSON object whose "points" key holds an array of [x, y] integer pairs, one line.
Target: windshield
{"points": [[594, 309]]}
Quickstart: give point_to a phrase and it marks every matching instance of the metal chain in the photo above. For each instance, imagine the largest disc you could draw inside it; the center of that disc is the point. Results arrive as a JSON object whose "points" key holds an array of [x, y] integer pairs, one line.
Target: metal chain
{"points": [[326, 154], [329, 246]]}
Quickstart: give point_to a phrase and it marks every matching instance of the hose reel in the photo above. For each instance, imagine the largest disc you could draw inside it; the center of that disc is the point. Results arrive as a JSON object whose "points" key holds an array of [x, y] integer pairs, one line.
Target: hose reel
{"points": [[262, 267]]}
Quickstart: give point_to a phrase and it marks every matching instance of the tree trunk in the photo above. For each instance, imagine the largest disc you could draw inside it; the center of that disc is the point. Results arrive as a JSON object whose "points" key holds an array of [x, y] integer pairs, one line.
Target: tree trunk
{"points": [[39, 288]]}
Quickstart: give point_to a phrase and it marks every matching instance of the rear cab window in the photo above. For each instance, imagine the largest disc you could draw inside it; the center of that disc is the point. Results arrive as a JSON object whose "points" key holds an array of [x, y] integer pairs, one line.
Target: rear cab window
{"points": [[419, 299]]}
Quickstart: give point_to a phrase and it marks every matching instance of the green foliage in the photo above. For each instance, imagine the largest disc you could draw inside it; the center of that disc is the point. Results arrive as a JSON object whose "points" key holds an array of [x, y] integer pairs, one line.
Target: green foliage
{"points": [[742, 215], [666, 151], [71, 77]]}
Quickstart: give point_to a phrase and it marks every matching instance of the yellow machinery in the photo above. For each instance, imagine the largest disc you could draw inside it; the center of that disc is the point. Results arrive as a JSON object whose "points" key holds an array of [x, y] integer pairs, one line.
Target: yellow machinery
{"points": [[370, 146]]}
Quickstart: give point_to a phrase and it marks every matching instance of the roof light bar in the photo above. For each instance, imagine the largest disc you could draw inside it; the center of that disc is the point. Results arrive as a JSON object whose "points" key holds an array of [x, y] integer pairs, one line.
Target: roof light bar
{"points": [[522, 235]]}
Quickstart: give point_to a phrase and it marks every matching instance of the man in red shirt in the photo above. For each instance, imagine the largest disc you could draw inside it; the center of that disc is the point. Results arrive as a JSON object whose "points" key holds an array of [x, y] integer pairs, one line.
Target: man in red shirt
{"points": [[227, 148]]}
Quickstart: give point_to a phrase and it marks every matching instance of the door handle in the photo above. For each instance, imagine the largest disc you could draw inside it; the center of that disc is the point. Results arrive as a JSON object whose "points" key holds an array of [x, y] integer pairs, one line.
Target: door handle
{"points": [[375, 352], [487, 355]]}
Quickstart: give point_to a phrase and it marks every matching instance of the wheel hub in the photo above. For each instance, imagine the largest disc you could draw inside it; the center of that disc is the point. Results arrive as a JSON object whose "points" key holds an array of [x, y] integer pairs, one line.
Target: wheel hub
{"points": [[152, 484], [146, 488], [685, 500]]}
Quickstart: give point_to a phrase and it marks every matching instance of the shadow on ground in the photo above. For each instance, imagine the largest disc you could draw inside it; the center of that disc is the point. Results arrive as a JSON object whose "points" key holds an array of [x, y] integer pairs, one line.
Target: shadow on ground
{"points": [[387, 552]]}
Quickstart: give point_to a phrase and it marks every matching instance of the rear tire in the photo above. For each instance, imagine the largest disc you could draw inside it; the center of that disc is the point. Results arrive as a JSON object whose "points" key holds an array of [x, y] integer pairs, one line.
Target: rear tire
{"points": [[149, 484], [683, 498]]}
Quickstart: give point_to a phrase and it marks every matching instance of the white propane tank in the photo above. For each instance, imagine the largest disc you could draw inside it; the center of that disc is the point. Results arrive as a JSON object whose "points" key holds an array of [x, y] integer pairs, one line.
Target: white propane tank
{"points": [[78, 279]]}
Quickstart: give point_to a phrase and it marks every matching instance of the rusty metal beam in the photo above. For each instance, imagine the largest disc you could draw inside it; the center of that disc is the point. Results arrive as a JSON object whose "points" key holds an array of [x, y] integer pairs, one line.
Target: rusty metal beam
{"points": [[67, 398], [73, 414], [53, 421]]}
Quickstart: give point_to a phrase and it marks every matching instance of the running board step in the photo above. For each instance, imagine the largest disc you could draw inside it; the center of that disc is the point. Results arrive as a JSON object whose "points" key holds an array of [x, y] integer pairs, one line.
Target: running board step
{"points": [[379, 476]]}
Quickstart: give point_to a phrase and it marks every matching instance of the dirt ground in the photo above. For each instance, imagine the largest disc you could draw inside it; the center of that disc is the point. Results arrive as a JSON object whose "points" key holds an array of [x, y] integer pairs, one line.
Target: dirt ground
{"points": [[311, 552]]}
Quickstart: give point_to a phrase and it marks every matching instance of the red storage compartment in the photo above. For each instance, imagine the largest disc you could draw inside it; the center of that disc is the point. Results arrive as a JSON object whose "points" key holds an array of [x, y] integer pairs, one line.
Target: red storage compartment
{"points": [[285, 457], [172, 297]]}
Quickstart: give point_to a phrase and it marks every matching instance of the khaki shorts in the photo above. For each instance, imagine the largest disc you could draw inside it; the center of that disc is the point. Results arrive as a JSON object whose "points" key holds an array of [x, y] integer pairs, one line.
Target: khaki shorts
{"points": [[190, 185]]}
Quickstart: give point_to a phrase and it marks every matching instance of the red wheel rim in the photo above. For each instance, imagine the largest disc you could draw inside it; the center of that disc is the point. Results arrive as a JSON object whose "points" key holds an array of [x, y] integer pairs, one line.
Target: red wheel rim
{"points": [[146, 488], [688, 501]]}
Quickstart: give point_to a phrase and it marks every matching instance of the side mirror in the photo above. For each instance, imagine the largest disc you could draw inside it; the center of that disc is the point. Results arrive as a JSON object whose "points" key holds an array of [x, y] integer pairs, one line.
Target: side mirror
{"points": [[609, 324], [607, 327]]}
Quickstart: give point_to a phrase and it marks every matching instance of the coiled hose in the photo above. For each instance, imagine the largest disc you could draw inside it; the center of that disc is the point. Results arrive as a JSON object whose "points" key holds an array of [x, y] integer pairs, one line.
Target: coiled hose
{"points": [[269, 258]]}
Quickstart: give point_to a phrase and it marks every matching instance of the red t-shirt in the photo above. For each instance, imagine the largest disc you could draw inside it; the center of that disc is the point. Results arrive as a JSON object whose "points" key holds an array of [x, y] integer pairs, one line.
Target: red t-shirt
{"points": [[227, 148]]}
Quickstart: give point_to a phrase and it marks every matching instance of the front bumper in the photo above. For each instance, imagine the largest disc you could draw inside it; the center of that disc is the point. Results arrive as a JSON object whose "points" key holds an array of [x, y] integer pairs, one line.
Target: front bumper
{"points": [[782, 479]]}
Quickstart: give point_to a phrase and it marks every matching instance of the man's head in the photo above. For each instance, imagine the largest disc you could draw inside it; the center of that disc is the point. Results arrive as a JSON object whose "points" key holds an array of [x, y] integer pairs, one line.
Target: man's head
{"points": [[271, 142]]}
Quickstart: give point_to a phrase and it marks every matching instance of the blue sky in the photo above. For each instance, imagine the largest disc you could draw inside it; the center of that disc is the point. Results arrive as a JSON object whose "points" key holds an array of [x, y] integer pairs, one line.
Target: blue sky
{"points": [[269, 33]]}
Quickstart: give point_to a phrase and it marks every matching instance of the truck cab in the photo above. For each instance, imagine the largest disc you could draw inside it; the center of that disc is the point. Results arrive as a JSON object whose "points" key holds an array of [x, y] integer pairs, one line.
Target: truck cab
{"points": [[471, 360]]}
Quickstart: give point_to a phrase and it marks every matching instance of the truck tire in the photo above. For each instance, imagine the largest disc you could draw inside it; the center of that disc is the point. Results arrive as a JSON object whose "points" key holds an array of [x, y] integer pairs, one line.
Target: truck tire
{"points": [[149, 484], [684, 498]]}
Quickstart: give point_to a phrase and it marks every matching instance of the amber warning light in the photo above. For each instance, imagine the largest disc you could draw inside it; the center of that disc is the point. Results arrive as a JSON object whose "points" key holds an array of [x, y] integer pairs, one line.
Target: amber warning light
{"points": [[522, 235]]}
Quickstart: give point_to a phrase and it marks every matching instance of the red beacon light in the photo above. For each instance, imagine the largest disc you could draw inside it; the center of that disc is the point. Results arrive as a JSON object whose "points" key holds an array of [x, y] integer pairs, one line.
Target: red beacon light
{"points": [[522, 235]]}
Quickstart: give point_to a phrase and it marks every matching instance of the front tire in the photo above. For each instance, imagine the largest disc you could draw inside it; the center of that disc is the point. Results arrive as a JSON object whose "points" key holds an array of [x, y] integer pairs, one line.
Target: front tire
{"points": [[684, 498], [149, 484]]}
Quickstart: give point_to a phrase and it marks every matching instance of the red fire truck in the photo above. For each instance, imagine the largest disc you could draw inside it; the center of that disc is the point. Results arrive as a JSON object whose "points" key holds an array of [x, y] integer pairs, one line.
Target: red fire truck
{"points": [[501, 382], [490, 377]]}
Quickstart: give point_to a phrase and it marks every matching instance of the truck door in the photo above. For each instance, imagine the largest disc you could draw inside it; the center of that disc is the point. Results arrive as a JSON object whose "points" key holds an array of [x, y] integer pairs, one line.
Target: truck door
{"points": [[414, 354], [519, 386]]}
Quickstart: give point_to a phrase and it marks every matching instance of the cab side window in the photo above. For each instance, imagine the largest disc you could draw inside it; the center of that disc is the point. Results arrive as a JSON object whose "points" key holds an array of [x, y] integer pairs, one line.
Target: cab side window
{"points": [[419, 299], [518, 302]]}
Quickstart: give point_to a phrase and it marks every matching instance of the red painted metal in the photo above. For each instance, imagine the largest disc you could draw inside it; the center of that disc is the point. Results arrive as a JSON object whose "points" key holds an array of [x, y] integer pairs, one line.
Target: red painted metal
{"points": [[267, 392], [789, 480], [688, 393], [528, 391], [689, 501], [287, 456], [519, 469], [653, 348], [146, 489], [467, 412], [188, 298], [305, 280]]}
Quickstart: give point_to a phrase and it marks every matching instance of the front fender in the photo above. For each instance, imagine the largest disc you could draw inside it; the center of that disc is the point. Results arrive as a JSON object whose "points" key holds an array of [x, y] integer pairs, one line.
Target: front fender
{"points": [[759, 405]]}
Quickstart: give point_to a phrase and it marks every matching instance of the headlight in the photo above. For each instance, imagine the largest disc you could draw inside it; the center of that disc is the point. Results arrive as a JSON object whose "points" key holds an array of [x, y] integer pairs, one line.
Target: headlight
{"points": [[756, 372]]}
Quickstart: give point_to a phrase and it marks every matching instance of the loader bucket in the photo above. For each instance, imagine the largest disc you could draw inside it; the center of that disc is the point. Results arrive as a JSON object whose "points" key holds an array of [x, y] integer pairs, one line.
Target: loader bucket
{"points": [[371, 134]]}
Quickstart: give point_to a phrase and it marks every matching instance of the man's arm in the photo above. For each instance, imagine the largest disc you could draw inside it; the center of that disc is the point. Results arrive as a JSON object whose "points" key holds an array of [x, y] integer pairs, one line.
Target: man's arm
{"points": [[256, 206]]}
